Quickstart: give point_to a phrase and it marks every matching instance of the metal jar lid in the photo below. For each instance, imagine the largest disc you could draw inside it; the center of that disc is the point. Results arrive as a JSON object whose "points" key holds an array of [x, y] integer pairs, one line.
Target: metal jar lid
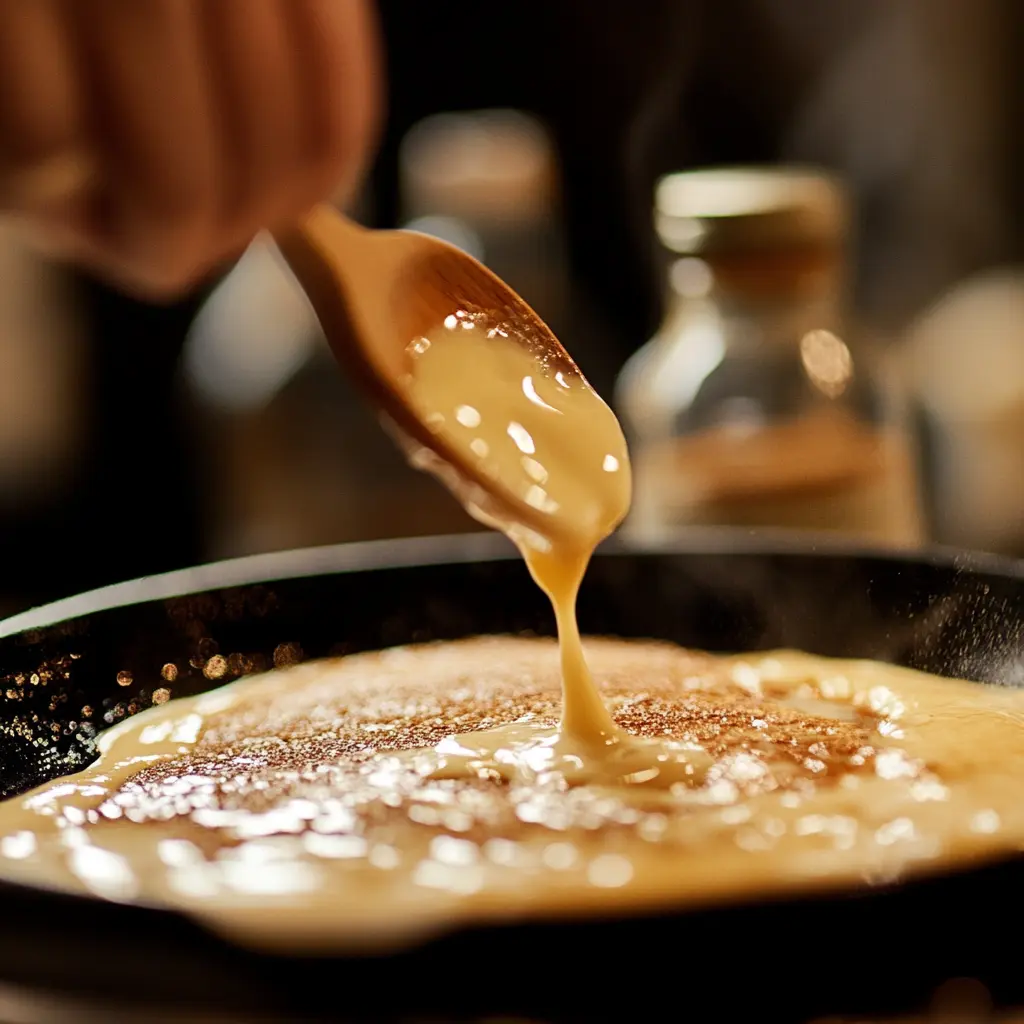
{"points": [[722, 211]]}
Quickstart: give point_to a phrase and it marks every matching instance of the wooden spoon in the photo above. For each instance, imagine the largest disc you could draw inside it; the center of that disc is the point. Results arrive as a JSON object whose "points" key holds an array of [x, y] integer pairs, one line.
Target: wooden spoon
{"points": [[374, 293]]}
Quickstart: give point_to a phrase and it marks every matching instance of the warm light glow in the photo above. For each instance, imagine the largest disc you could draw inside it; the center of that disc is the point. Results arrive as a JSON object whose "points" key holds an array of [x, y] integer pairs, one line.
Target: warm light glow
{"points": [[827, 362], [535, 470], [531, 393], [467, 416], [691, 278], [522, 438]]}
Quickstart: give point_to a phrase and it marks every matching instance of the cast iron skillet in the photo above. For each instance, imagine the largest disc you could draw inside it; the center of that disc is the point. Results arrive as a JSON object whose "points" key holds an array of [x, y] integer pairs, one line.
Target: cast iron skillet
{"points": [[882, 949]]}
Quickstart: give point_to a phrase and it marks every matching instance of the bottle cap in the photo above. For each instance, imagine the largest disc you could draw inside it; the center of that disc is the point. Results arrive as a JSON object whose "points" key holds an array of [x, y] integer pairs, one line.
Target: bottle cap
{"points": [[487, 167], [725, 211]]}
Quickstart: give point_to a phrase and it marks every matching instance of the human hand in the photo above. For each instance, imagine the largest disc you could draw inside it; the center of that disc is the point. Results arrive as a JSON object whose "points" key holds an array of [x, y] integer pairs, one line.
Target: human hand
{"points": [[151, 140]]}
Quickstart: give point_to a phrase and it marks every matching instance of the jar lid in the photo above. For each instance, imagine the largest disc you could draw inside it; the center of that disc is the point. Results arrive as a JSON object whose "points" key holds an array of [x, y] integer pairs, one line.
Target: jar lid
{"points": [[493, 167], [728, 210]]}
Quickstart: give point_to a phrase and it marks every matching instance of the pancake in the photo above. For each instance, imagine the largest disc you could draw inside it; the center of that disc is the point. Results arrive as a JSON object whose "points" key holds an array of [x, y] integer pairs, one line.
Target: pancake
{"points": [[320, 806]]}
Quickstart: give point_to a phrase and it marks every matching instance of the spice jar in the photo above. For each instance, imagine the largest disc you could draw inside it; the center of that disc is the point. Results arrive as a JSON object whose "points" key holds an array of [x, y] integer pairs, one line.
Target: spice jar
{"points": [[752, 405]]}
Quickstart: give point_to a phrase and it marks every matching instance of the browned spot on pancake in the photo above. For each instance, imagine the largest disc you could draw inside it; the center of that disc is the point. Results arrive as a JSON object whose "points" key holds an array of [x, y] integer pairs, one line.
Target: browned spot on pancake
{"points": [[724, 723]]}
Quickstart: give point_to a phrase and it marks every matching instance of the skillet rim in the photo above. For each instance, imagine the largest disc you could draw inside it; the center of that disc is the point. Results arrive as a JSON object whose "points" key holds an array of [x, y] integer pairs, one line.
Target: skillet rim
{"points": [[479, 546]]}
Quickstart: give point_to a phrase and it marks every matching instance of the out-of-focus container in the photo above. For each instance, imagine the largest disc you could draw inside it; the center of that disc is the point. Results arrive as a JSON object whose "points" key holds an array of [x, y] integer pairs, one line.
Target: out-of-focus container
{"points": [[752, 406], [964, 361]]}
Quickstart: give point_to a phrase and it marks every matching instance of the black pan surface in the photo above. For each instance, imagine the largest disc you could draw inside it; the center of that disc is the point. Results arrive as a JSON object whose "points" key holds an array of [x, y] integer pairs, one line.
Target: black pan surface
{"points": [[880, 949]]}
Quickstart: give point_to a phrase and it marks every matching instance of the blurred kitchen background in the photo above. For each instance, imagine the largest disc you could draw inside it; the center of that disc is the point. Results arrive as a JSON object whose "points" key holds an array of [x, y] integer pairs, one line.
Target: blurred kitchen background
{"points": [[830, 338]]}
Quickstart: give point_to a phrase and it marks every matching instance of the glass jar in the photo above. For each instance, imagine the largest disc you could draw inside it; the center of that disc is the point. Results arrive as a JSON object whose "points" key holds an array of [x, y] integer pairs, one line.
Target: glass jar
{"points": [[751, 406]]}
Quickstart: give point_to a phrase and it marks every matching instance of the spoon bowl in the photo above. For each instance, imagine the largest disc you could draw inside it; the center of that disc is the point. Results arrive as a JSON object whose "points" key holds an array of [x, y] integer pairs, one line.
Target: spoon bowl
{"points": [[380, 296]]}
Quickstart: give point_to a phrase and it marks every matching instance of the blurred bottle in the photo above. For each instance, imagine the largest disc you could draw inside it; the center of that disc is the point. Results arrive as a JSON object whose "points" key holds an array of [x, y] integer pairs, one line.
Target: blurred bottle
{"points": [[750, 406], [964, 361]]}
